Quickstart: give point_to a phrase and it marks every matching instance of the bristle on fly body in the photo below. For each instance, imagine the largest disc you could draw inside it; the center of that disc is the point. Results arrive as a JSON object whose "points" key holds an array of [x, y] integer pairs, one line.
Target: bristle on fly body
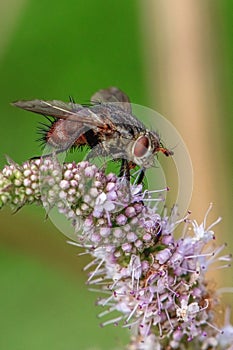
{"points": [[43, 130]]}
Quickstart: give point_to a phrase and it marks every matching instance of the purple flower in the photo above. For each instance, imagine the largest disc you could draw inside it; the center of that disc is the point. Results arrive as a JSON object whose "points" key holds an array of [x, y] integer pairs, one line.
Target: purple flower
{"points": [[155, 282]]}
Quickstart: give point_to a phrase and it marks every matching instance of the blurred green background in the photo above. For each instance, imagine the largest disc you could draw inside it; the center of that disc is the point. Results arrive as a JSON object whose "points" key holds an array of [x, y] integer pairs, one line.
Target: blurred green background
{"points": [[51, 50]]}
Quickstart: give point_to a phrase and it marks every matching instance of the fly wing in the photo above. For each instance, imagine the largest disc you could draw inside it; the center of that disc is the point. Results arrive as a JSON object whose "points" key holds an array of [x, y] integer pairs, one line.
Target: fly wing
{"points": [[61, 110], [119, 106], [113, 94], [57, 109], [73, 121]]}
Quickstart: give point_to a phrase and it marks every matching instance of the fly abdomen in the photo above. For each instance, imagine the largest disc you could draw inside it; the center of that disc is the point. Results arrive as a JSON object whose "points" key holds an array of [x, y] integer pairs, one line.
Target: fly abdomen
{"points": [[92, 138]]}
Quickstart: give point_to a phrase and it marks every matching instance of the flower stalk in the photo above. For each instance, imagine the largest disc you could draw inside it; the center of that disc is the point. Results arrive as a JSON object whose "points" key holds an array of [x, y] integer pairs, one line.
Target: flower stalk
{"points": [[157, 283]]}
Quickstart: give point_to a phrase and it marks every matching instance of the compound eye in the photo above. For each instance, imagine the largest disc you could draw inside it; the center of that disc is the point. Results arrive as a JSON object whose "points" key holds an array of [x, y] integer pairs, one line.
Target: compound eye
{"points": [[141, 146]]}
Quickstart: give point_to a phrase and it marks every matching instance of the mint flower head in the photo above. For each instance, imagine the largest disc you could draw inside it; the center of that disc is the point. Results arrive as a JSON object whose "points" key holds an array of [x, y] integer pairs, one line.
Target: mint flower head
{"points": [[153, 283]]}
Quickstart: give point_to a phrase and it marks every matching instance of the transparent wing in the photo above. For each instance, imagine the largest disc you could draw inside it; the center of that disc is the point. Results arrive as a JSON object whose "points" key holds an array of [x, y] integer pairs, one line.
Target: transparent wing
{"points": [[57, 109], [113, 94], [73, 121], [68, 111]]}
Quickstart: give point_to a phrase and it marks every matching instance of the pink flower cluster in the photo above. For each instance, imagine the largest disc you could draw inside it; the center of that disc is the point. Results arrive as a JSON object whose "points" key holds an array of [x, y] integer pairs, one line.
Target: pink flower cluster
{"points": [[155, 282]]}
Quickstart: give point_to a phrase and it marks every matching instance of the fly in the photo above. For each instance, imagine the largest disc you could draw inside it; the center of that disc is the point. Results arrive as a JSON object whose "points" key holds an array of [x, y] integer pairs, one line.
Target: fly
{"points": [[107, 126]]}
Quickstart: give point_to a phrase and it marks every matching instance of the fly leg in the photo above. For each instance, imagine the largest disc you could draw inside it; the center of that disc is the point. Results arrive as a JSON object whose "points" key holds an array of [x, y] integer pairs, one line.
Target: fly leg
{"points": [[125, 169], [125, 174], [141, 176]]}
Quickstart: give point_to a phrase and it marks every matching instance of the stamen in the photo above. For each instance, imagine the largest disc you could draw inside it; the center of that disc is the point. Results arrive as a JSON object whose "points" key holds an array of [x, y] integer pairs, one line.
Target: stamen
{"points": [[206, 214], [79, 245], [185, 229], [105, 302], [172, 291], [214, 327], [147, 331], [214, 223], [97, 290], [223, 266], [189, 270], [112, 286], [93, 262], [153, 200], [115, 320], [225, 258], [130, 325], [98, 281], [160, 330], [168, 317], [199, 255], [166, 189], [132, 312]]}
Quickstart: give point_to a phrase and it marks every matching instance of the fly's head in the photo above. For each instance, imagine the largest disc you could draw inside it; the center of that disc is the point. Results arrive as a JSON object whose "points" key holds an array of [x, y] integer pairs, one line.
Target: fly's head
{"points": [[145, 147]]}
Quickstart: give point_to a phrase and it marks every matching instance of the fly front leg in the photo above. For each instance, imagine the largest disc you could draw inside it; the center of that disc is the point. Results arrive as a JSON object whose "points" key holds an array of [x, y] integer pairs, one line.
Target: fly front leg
{"points": [[125, 175], [141, 176], [125, 169]]}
